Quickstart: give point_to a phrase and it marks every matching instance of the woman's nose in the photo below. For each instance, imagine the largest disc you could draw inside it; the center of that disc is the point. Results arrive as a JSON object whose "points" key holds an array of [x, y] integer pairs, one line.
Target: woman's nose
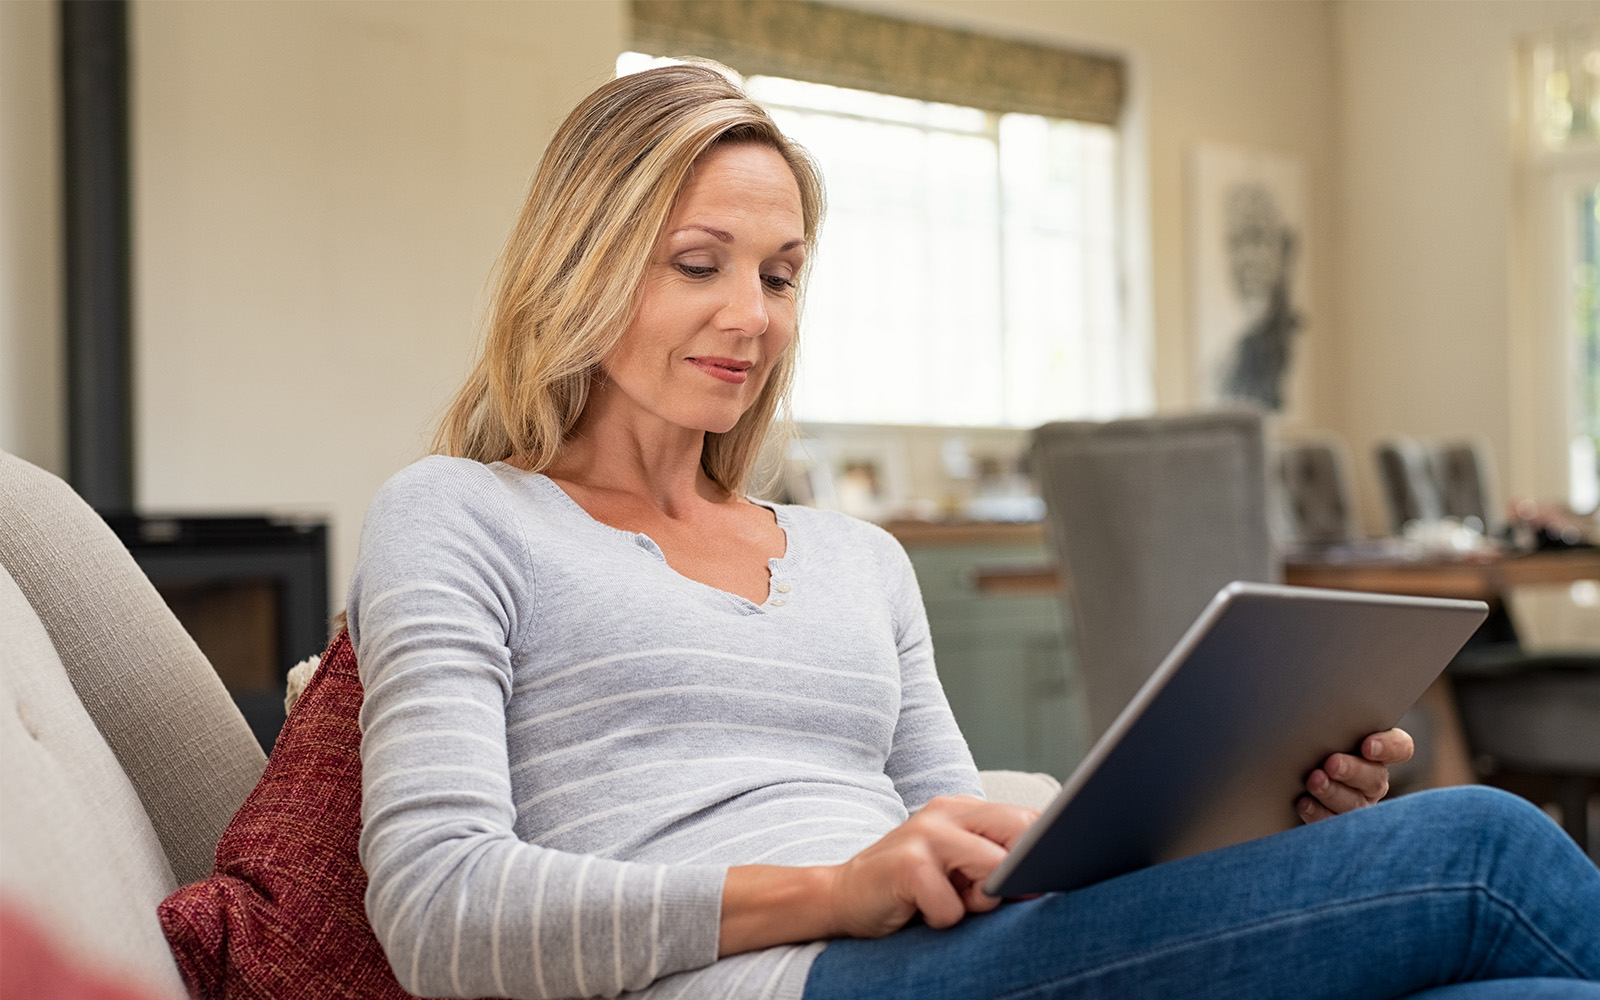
{"points": [[746, 309]]}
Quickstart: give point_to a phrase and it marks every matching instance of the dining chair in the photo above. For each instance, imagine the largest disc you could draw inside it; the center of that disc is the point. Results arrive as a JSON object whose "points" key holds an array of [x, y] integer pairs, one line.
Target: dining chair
{"points": [[1462, 475], [1310, 495], [1410, 490], [1433, 480], [1149, 519]]}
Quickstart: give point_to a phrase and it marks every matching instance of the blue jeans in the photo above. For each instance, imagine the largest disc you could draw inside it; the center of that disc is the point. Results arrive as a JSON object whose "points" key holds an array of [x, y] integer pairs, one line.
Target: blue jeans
{"points": [[1460, 886]]}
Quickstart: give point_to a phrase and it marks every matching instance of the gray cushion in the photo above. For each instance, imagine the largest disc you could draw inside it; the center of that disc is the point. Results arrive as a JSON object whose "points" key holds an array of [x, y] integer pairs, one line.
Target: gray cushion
{"points": [[148, 688], [76, 848], [1019, 788]]}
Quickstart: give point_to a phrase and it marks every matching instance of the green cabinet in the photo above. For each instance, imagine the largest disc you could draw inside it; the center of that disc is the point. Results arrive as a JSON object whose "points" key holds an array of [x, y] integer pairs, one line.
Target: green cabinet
{"points": [[1004, 656]]}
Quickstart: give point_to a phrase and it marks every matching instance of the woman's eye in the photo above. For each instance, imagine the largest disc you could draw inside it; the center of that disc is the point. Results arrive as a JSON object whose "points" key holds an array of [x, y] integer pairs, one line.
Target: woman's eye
{"points": [[777, 282], [697, 270]]}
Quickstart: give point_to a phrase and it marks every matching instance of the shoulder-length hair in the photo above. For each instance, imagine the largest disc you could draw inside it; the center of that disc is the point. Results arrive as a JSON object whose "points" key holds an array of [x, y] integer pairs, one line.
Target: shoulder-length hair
{"points": [[567, 282]]}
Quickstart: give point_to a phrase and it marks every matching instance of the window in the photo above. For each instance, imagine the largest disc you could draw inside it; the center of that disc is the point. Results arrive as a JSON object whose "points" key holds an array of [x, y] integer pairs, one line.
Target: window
{"points": [[1561, 106], [1584, 305], [968, 271]]}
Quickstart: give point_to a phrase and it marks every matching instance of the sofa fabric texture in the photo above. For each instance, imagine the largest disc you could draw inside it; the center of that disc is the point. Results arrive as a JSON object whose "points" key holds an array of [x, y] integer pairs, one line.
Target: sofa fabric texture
{"points": [[143, 681], [284, 914], [76, 848]]}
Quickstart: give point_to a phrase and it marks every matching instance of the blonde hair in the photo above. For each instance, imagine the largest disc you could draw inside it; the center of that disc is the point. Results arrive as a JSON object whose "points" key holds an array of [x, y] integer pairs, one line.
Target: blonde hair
{"points": [[568, 278]]}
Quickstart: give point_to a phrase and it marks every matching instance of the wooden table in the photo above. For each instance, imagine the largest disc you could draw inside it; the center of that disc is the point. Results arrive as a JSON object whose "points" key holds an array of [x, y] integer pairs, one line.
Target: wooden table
{"points": [[1478, 577], [1482, 577]]}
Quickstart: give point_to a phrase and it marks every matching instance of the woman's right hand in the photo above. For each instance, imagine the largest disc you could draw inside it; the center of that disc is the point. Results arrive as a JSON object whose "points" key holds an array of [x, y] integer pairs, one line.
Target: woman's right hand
{"points": [[934, 863]]}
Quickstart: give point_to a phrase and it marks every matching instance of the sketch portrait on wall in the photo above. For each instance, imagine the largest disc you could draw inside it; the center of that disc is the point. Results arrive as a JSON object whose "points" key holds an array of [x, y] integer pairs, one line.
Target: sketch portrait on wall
{"points": [[1248, 253]]}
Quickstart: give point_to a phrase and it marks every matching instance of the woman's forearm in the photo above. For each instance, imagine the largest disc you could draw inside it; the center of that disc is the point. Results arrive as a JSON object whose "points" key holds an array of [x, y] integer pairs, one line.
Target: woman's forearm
{"points": [[766, 905]]}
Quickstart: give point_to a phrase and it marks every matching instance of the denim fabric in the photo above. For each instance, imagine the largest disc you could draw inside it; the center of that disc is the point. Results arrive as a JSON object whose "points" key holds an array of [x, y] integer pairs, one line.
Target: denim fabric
{"points": [[1437, 888]]}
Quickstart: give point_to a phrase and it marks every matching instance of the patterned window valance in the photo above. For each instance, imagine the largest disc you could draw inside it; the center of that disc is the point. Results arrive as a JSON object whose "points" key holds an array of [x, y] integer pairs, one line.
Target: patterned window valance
{"points": [[850, 48]]}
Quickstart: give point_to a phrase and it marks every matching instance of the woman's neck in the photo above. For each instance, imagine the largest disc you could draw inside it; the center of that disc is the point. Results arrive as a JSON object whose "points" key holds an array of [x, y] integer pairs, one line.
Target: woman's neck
{"points": [[658, 466]]}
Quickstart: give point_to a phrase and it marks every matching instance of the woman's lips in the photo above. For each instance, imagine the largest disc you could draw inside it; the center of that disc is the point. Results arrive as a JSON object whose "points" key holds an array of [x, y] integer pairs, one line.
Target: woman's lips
{"points": [[726, 369]]}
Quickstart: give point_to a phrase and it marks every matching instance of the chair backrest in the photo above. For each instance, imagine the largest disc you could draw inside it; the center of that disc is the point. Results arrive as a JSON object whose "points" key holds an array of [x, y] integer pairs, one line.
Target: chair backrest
{"points": [[1311, 494], [1150, 518], [1409, 490], [1425, 482], [1461, 476]]}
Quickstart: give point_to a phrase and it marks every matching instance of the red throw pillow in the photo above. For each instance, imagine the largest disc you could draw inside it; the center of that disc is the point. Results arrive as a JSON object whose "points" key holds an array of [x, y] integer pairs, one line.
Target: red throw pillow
{"points": [[283, 913]]}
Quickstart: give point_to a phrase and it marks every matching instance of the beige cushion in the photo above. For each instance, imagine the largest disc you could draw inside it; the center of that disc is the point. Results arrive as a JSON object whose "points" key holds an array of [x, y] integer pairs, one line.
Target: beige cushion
{"points": [[149, 690], [77, 851], [1019, 788]]}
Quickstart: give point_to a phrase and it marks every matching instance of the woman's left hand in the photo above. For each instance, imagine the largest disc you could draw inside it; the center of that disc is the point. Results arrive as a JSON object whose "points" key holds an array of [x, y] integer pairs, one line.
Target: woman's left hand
{"points": [[1345, 781]]}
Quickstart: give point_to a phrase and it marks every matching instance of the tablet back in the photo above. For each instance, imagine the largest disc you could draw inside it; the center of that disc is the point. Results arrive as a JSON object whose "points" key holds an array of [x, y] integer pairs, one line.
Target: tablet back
{"points": [[1215, 748]]}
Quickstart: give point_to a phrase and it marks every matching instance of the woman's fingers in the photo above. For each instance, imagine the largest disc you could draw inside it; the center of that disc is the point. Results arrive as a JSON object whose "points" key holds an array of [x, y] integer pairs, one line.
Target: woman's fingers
{"points": [[1393, 746], [976, 900], [995, 821], [979, 857], [1345, 781], [1366, 778], [937, 900], [1311, 810], [1336, 795], [934, 863]]}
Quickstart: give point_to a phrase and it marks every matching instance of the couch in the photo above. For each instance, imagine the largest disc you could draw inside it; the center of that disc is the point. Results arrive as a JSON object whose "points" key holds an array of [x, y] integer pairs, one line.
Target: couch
{"points": [[124, 758]]}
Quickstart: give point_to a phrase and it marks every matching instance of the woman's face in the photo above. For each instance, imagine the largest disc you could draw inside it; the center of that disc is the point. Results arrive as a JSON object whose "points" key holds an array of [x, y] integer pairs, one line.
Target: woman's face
{"points": [[717, 306]]}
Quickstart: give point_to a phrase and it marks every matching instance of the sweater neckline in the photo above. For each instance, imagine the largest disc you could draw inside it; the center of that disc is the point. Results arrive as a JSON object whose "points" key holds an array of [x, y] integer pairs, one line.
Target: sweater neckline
{"points": [[780, 569]]}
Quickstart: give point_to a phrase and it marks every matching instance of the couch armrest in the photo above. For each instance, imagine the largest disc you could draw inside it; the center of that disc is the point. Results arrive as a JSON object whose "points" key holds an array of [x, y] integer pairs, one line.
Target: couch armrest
{"points": [[148, 688], [1019, 788]]}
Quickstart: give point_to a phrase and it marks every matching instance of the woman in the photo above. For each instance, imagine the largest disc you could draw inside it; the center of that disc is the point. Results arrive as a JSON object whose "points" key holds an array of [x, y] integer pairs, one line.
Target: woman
{"points": [[625, 728]]}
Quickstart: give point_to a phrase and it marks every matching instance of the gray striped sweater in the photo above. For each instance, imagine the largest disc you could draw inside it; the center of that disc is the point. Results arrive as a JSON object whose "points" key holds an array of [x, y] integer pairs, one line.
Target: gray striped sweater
{"points": [[565, 743]]}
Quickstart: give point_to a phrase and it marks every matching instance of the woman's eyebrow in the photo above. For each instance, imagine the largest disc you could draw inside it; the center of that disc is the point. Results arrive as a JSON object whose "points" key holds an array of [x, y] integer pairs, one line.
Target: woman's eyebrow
{"points": [[723, 236]]}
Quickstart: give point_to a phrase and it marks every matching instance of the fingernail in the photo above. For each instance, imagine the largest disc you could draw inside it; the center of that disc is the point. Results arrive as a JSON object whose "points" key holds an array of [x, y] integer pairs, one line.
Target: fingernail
{"points": [[1377, 749]]}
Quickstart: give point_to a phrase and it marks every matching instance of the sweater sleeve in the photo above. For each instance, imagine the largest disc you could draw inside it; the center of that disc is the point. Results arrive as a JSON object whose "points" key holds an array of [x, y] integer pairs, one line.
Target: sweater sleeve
{"points": [[929, 755], [460, 905]]}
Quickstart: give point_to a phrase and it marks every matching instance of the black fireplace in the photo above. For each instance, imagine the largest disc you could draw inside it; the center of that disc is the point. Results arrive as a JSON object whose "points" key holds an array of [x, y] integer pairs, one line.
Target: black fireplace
{"points": [[251, 591]]}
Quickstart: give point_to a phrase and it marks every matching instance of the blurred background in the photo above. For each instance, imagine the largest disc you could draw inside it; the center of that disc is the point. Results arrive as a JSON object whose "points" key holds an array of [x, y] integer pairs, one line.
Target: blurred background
{"points": [[317, 191]]}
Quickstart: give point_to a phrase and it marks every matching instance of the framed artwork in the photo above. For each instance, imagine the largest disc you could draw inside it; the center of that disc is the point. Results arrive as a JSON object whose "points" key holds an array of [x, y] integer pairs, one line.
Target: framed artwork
{"points": [[1248, 225], [862, 473]]}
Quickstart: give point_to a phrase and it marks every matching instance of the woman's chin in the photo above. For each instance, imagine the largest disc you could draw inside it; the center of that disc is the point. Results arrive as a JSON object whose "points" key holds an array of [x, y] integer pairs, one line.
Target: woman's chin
{"points": [[715, 421]]}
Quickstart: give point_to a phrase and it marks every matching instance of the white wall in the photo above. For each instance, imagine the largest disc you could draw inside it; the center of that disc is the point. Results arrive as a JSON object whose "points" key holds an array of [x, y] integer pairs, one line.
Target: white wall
{"points": [[31, 351], [1244, 73], [320, 191], [1428, 208]]}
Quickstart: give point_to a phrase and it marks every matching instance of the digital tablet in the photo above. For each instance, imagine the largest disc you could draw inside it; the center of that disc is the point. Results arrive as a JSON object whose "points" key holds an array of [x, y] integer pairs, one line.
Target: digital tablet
{"points": [[1216, 746]]}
